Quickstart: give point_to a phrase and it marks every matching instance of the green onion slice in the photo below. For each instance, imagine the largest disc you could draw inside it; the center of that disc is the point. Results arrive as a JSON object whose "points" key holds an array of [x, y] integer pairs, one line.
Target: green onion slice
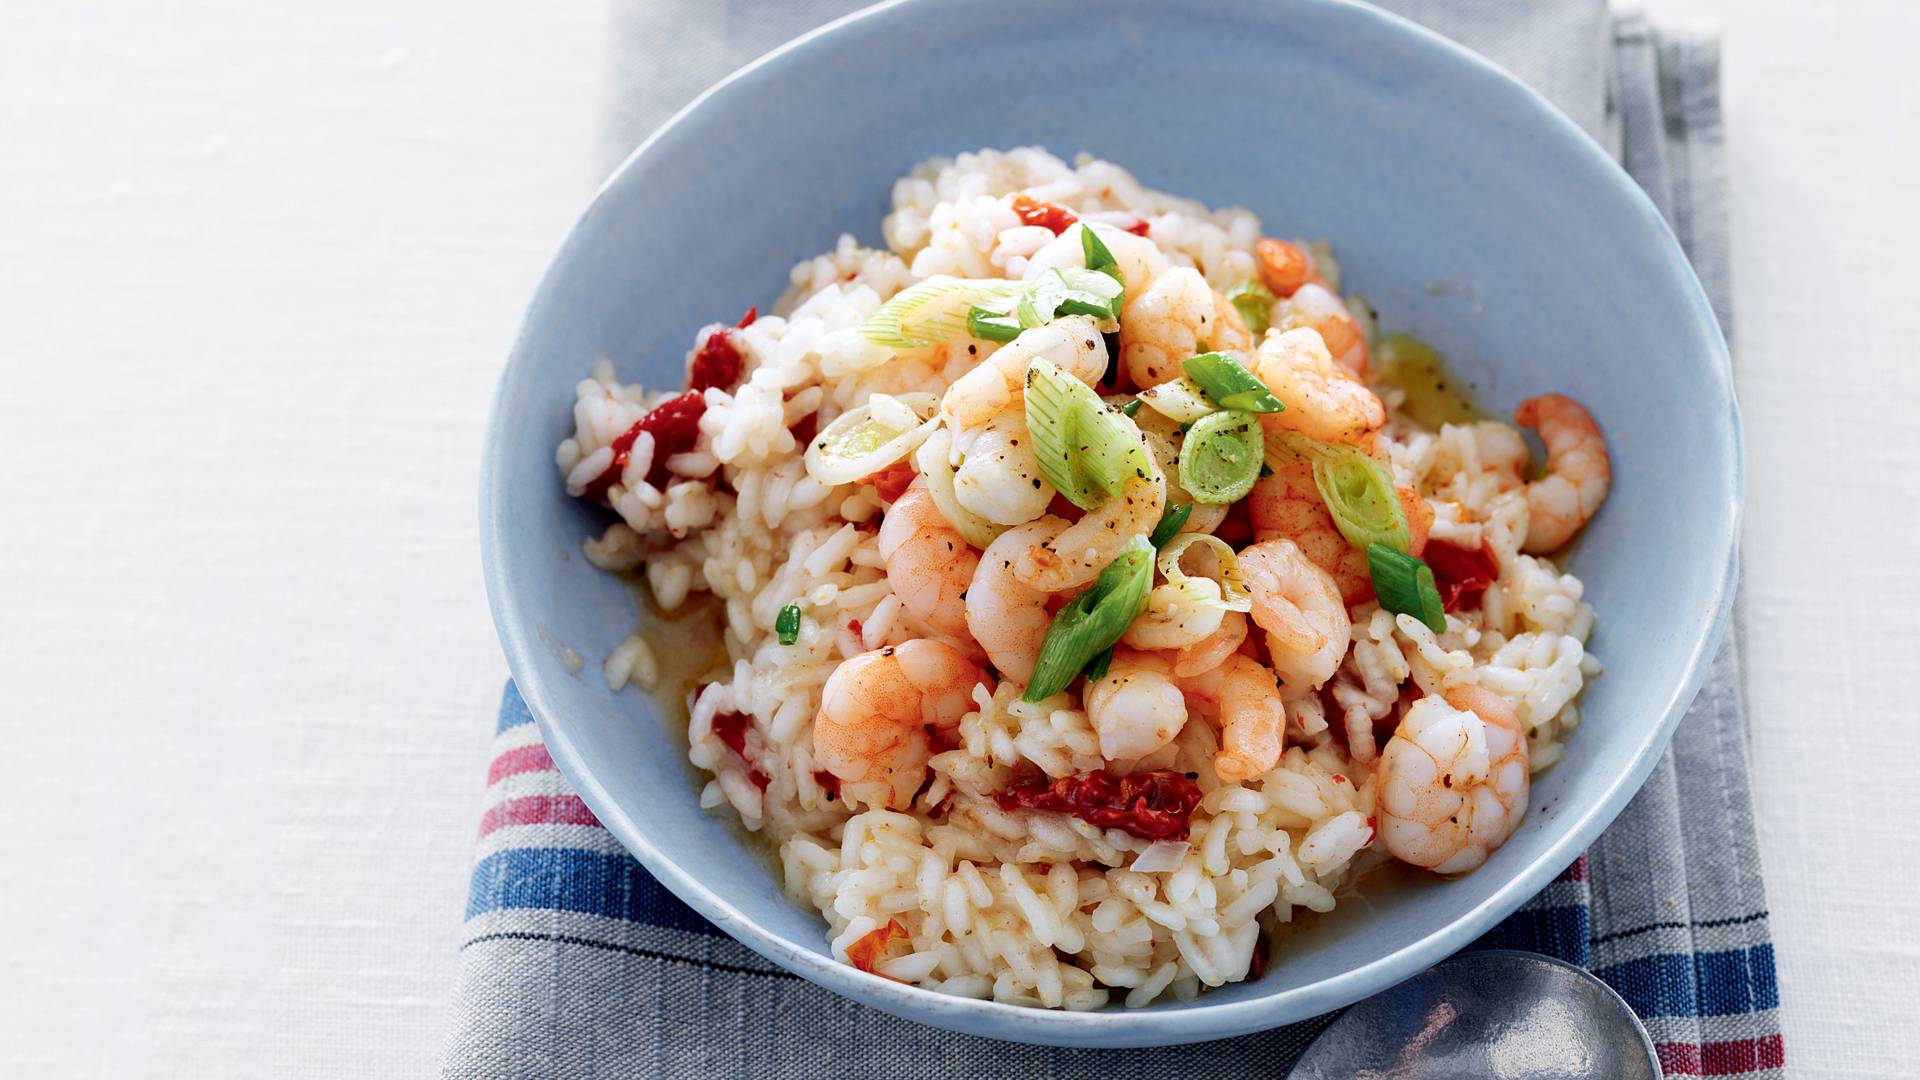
{"points": [[1097, 257], [787, 625], [865, 440], [1225, 571], [1093, 621], [1131, 409], [934, 459], [1357, 489], [934, 310], [1181, 400], [1172, 520], [992, 325], [1220, 459], [1228, 382], [1085, 449], [1255, 302], [1071, 291], [1405, 586]]}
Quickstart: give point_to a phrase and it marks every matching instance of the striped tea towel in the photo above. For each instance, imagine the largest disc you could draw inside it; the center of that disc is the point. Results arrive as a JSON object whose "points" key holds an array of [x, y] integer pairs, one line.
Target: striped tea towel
{"points": [[577, 963]]}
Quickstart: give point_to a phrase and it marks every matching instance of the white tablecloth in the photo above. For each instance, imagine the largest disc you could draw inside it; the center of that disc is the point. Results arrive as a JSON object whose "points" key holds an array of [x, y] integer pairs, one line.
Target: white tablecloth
{"points": [[258, 271]]}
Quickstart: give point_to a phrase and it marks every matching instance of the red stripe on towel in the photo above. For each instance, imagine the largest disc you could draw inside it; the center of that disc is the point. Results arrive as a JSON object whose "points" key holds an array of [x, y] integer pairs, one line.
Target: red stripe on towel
{"points": [[521, 759], [538, 810], [1722, 1058]]}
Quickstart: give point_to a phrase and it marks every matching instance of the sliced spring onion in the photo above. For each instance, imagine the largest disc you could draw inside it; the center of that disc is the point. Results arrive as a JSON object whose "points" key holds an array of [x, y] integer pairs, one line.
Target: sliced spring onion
{"points": [[936, 468], [992, 326], [1229, 384], [1405, 586], [1225, 572], [1359, 493], [787, 625], [1172, 520], [1220, 459], [1357, 489], [1093, 621], [934, 310], [1254, 301], [1182, 400], [1131, 409], [1097, 257], [1071, 291], [1085, 449], [865, 440]]}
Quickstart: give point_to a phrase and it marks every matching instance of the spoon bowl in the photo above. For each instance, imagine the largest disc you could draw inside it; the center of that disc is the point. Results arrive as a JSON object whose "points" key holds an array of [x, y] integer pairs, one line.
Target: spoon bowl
{"points": [[1493, 1015]]}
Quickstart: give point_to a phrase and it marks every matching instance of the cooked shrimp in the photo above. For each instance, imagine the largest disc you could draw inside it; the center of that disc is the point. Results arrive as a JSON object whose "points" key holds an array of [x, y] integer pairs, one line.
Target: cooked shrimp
{"points": [[1299, 607], [1212, 651], [1075, 556], [1000, 479], [1315, 307], [1284, 267], [871, 730], [1164, 324], [1005, 615], [1287, 505], [1253, 718], [999, 382], [1177, 615], [1324, 400], [929, 564], [1137, 707], [1578, 470], [1453, 781]]}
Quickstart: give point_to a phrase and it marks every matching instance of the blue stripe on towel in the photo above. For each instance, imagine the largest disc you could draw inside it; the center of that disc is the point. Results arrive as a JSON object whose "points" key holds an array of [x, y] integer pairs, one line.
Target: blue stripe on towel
{"points": [[568, 879]]}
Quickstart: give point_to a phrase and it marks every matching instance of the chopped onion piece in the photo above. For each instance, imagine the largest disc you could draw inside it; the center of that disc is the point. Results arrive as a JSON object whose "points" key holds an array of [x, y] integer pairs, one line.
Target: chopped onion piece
{"points": [[1220, 456], [1180, 400], [865, 440], [1161, 857], [1085, 448], [1226, 567], [936, 468], [1092, 621], [934, 310]]}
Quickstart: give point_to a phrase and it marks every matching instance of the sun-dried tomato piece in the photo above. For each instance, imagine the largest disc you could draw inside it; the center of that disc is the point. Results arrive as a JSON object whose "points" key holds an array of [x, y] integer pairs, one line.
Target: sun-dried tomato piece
{"points": [[1057, 219], [1237, 528], [1152, 805], [891, 481], [872, 948], [747, 319], [675, 427], [731, 729], [1138, 226], [717, 362], [1462, 574]]}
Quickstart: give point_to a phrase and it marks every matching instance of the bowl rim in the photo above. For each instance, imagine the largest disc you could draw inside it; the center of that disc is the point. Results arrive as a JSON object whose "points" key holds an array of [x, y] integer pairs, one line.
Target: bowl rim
{"points": [[1110, 1027]]}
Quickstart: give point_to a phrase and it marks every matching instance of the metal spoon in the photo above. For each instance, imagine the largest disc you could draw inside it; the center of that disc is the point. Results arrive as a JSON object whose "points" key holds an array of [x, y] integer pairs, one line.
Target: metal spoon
{"points": [[1494, 1015]]}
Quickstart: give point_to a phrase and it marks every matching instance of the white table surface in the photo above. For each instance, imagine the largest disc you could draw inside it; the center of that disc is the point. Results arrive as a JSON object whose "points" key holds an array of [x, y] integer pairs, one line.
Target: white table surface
{"points": [[258, 272]]}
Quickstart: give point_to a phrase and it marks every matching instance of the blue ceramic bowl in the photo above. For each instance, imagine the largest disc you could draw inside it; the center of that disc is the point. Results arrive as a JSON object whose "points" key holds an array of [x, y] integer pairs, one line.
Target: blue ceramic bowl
{"points": [[1422, 162]]}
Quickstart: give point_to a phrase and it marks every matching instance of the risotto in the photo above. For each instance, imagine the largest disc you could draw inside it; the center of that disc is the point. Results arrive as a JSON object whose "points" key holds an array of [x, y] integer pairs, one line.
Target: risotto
{"points": [[1101, 590]]}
